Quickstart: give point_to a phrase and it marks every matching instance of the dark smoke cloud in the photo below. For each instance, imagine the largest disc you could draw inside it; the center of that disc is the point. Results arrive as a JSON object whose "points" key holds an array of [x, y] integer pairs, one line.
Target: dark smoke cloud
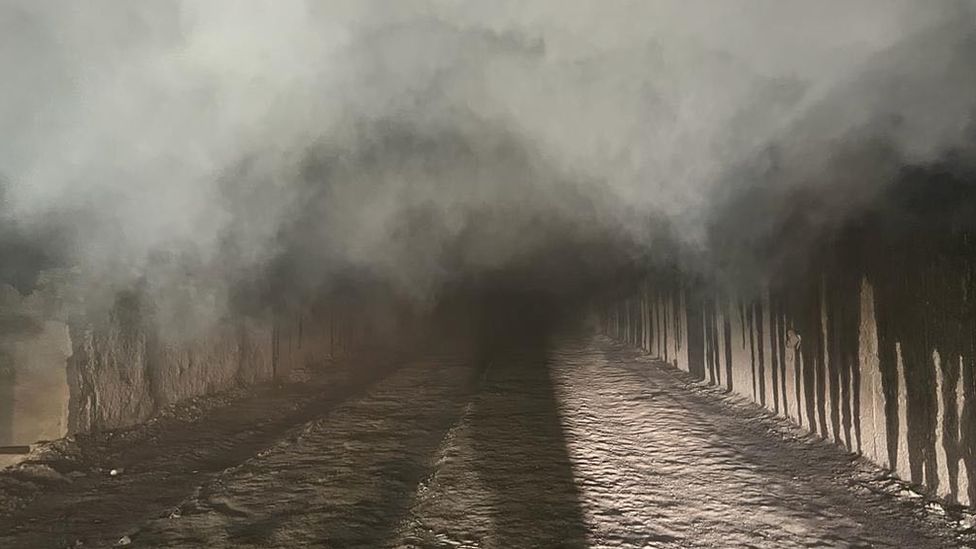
{"points": [[204, 147], [909, 110]]}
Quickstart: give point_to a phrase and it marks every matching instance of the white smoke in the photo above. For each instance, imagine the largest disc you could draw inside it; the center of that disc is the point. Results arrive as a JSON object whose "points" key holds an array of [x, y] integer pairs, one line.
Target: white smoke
{"points": [[420, 138]]}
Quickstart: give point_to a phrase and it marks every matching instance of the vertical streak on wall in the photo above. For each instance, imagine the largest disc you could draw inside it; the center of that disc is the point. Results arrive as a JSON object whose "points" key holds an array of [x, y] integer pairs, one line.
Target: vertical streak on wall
{"points": [[645, 320], [727, 340], [941, 458], [757, 330], [832, 359], [629, 316], [741, 364], [627, 328], [678, 357], [666, 324], [762, 333], [888, 351], [651, 325], [840, 390], [873, 426], [716, 342], [791, 376], [638, 307], [847, 303], [807, 337], [631, 321], [655, 324], [275, 348], [681, 327], [799, 377], [635, 313], [663, 305], [949, 422], [901, 465], [652, 337], [962, 484], [629, 312], [696, 334], [642, 321], [639, 322], [659, 324], [632, 306], [749, 327], [7, 382], [709, 345], [708, 354], [781, 338], [825, 388], [743, 382], [774, 345], [676, 301], [618, 320], [967, 428]]}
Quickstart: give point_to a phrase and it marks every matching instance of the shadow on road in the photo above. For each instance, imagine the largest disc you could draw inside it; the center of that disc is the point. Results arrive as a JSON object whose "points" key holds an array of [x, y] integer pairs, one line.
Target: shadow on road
{"points": [[163, 461], [519, 439]]}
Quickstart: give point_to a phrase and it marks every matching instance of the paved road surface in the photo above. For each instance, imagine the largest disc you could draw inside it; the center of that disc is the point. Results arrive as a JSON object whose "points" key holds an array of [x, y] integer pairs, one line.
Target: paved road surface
{"points": [[567, 443]]}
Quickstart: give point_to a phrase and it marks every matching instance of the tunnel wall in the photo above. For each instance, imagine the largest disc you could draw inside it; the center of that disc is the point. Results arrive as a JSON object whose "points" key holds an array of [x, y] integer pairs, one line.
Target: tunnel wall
{"points": [[34, 347], [869, 341], [123, 372], [840, 367], [63, 373]]}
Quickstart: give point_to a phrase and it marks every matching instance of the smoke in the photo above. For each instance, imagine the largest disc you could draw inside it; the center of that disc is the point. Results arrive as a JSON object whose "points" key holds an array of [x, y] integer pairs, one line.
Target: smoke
{"points": [[197, 148]]}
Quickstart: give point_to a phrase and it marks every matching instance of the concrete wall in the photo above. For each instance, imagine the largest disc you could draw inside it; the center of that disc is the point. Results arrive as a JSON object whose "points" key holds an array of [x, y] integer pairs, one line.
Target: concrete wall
{"points": [[64, 373], [33, 354], [123, 371], [859, 325], [874, 353]]}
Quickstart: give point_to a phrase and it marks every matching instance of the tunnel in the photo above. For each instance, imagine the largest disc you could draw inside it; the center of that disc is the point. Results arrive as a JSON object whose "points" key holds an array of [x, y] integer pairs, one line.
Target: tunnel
{"points": [[456, 274]]}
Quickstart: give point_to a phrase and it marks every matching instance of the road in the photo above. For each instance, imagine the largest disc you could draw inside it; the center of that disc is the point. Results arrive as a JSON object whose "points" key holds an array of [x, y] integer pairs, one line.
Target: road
{"points": [[568, 442]]}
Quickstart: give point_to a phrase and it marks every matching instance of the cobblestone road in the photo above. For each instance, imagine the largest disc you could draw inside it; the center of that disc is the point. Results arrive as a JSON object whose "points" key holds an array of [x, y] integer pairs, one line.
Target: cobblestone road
{"points": [[577, 443]]}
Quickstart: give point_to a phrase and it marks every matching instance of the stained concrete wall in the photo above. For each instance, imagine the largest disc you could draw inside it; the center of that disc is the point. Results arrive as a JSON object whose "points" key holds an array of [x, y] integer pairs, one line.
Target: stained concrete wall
{"points": [[856, 323], [33, 387], [62, 372], [876, 355], [122, 371], [35, 344]]}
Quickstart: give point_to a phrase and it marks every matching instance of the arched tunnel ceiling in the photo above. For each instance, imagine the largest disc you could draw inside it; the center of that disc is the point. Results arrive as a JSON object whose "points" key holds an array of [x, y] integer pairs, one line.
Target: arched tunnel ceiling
{"points": [[436, 143]]}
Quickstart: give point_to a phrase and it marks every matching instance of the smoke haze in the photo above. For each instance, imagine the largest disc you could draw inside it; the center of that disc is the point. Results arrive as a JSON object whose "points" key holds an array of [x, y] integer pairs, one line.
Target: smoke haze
{"points": [[199, 147]]}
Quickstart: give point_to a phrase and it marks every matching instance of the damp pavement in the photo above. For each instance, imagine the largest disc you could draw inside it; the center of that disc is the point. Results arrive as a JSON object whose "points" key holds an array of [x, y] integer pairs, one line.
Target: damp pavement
{"points": [[569, 442]]}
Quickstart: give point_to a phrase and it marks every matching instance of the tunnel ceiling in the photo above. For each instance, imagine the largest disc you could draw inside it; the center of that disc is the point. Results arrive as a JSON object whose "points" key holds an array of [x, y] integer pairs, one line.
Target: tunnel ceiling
{"points": [[432, 146]]}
